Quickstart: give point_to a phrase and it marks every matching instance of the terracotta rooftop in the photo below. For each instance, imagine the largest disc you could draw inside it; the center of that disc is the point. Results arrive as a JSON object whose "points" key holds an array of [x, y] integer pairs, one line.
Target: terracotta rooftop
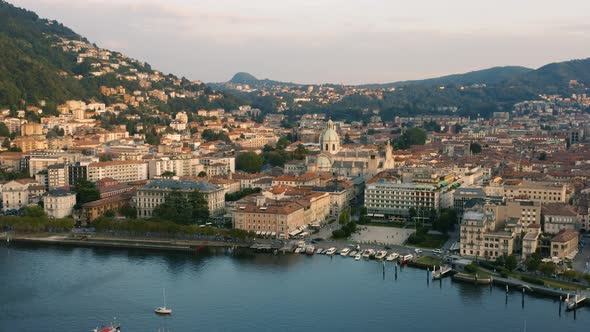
{"points": [[565, 236]]}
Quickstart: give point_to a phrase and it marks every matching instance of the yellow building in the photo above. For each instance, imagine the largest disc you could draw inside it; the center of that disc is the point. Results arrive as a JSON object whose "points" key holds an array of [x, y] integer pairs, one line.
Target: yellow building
{"points": [[543, 192], [31, 129], [564, 245]]}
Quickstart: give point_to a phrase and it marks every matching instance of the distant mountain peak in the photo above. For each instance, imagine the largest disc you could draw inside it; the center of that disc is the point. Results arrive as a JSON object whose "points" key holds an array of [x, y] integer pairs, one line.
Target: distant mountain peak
{"points": [[243, 78]]}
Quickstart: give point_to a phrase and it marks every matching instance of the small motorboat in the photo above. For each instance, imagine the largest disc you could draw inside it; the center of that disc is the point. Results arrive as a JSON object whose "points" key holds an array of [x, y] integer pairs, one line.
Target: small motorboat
{"points": [[381, 254], [331, 251], [319, 251], [352, 253], [309, 250], [111, 328], [344, 252], [392, 257], [368, 253], [357, 257], [405, 259]]}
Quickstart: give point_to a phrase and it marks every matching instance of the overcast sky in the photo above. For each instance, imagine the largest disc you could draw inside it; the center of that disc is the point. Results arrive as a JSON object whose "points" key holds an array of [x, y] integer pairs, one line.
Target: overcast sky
{"points": [[336, 41]]}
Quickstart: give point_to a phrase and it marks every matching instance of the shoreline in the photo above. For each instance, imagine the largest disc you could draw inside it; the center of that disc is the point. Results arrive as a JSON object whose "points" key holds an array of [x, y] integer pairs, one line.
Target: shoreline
{"points": [[170, 245], [124, 243]]}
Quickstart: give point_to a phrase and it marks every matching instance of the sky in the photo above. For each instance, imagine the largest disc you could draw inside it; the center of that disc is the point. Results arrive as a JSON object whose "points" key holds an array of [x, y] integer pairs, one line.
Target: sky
{"points": [[329, 41]]}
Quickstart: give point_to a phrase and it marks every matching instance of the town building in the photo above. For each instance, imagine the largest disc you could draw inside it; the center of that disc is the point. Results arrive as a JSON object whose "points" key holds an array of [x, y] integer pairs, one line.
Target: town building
{"points": [[558, 217], [59, 203], [155, 192], [360, 161], [122, 171], [386, 198], [564, 245]]}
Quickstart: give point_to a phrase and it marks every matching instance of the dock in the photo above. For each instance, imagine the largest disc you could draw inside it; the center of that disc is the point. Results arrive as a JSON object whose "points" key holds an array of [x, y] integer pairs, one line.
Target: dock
{"points": [[442, 272], [574, 302]]}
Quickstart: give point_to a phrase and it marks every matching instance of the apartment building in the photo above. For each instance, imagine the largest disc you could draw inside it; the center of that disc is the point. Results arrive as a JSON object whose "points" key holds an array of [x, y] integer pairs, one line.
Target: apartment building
{"points": [[57, 176], [122, 171], [180, 166], [558, 217], [385, 198], [18, 194], [154, 193], [479, 237], [543, 192]]}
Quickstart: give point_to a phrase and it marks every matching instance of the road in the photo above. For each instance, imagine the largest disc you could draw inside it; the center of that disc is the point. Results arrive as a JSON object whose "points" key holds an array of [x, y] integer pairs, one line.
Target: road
{"points": [[582, 261]]}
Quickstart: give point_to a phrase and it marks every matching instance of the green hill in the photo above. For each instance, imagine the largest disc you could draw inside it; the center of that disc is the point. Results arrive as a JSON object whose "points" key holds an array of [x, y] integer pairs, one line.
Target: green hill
{"points": [[30, 66], [556, 77], [485, 76], [42, 60], [243, 78]]}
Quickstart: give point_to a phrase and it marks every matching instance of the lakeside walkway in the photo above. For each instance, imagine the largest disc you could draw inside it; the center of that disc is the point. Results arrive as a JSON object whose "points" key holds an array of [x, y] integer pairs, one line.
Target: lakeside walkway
{"points": [[102, 240]]}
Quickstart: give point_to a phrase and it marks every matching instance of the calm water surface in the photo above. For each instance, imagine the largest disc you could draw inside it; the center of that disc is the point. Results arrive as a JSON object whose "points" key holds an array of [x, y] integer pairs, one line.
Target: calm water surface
{"points": [[46, 288]]}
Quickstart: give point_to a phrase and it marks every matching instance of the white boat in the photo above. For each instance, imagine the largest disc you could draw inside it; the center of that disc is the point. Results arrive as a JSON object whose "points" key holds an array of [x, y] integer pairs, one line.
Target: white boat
{"points": [[298, 250], [344, 252], [163, 310], [319, 251], [368, 253], [331, 251], [357, 257], [381, 254], [352, 253], [391, 257], [405, 259]]}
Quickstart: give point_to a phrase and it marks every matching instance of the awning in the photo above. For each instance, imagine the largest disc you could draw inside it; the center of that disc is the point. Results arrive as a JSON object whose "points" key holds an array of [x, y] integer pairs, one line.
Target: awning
{"points": [[257, 232], [294, 233], [273, 234]]}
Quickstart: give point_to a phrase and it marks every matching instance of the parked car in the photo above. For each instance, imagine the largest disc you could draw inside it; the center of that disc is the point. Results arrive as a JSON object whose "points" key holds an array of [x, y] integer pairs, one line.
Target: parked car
{"points": [[418, 251]]}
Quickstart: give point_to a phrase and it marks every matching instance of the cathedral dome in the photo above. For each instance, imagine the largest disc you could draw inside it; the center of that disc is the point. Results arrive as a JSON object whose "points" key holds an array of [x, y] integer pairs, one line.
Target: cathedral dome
{"points": [[329, 135], [329, 140]]}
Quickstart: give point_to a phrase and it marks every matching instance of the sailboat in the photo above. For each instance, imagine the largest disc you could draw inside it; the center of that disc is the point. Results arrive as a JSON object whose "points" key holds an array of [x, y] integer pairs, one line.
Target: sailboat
{"points": [[163, 310]]}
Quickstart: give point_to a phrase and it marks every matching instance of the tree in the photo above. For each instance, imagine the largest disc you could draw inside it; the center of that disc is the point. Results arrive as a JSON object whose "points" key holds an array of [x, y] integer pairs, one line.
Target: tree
{"points": [[34, 211], [249, 162], [547, 268], [167, 174], [475, 148], [511, 262], [282, 143], [128, 211], [533, 262], [343, 217], [4, 132], [445, 220], [202, 174], [86, 191], [176, 208], [412, 136], [300, 152], [210, 135], [543, 156], [347, 139], [199, 206]]}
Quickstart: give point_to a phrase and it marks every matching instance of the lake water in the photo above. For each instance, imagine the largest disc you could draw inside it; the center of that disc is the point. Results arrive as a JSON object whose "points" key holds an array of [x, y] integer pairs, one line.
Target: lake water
{"points": [[50, 288]]}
